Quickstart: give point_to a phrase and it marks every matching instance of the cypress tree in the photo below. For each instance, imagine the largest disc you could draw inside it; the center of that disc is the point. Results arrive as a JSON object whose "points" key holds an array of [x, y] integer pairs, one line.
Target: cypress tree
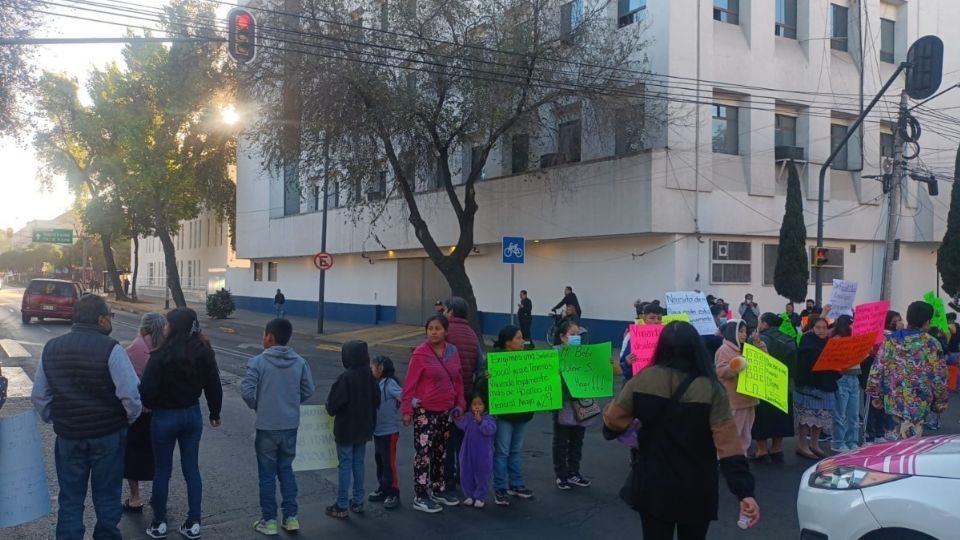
{"points": [[791, 273], [948, 254]]}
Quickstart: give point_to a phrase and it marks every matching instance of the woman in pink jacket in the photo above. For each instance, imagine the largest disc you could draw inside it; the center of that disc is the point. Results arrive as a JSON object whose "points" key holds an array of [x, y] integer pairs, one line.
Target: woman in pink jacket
{"points": [[138, 459], [730, 362], [432, 393]]}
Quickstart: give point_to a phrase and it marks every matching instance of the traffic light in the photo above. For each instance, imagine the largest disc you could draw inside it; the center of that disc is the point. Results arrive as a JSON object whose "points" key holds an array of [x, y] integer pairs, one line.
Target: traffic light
{"points": [[242, 35], [820, 257]]}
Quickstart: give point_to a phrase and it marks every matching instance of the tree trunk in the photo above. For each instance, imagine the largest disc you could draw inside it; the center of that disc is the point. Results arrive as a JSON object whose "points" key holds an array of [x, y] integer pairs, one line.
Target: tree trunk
{"points": [[111, 267], [455, 271], [136, 266], [170, 259]]}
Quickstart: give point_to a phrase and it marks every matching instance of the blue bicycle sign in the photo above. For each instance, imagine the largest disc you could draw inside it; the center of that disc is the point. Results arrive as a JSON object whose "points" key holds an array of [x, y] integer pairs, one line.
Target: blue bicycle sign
{"points": [[513, 249]]}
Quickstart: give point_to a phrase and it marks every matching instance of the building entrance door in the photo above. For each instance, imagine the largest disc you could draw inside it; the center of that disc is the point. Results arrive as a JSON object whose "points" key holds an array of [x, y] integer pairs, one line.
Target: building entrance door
{"points": [[419, 285]]}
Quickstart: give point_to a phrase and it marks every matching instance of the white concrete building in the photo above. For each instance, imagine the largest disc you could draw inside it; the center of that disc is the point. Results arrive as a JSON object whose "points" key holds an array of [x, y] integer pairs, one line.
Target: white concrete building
{"points": [[699, 207], [203, 257]]}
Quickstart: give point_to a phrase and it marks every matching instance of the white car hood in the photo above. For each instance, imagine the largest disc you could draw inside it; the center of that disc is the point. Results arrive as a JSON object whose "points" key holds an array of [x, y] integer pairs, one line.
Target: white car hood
{"points": [[926, 456]]}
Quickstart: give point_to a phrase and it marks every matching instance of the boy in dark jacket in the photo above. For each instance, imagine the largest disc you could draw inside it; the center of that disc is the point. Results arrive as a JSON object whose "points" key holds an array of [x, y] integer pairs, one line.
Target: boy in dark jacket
{"points": [[353, 401]]}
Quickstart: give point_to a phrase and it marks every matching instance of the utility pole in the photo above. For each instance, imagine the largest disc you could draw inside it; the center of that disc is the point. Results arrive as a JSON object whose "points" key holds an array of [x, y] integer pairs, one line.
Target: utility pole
{"points": [[893, 202]]}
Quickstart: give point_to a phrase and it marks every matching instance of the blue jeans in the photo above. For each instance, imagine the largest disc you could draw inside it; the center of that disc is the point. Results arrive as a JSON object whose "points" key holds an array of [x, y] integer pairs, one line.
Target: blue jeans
{"points": [[275, 452], [506, 454], [846, 413], [168, 428], [98, 461], [351, 462], [279, 310]]}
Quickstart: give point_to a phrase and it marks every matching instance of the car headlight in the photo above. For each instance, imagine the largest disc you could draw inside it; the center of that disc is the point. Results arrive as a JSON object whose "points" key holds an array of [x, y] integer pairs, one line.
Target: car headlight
{"points": [[850, 478]]}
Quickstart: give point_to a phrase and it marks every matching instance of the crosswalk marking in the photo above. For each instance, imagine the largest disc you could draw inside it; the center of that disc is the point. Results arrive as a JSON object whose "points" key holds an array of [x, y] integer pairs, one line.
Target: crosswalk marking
{"points": [[19, 384]]}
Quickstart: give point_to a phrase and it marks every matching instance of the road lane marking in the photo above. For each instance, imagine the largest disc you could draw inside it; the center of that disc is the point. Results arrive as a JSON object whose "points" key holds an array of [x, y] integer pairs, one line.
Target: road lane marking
{"points": [[18, 383], [45, 329], [231, 352], [12, 349]]}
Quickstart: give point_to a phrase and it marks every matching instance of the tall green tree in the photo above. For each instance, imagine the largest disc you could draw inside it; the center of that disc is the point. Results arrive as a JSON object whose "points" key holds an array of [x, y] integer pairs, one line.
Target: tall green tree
{"points": [[948, 254], [791, 273], [18, 18]]}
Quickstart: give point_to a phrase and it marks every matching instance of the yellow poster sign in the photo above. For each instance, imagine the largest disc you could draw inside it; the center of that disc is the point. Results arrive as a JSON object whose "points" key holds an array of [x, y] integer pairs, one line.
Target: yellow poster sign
{"points": [[764, 378]]}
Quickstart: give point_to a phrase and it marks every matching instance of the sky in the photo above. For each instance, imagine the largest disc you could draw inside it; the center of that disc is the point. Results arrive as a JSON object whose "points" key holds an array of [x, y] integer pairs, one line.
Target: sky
{"points": [[22, 198]]}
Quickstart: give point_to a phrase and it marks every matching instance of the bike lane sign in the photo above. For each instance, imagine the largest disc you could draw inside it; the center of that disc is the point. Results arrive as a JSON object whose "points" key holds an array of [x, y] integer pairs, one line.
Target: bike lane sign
{"points": [[513, 249]]}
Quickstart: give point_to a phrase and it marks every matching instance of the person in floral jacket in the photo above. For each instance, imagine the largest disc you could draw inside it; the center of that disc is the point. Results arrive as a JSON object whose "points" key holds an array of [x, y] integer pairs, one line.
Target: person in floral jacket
{"points": [[909, 379]]}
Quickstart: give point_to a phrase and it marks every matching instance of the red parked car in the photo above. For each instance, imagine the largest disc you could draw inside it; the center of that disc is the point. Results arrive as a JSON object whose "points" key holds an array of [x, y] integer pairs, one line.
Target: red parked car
{"points": [[49, 299]]}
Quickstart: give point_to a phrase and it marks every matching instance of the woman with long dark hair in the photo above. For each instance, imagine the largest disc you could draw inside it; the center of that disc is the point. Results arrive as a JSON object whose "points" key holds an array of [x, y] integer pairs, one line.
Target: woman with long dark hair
{"points": [[687, 428], [177, 373], [813, 398], [511, 429]]}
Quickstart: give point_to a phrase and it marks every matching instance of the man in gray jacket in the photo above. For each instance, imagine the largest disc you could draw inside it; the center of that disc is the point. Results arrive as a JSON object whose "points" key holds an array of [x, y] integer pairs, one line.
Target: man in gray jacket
{"points": [[277, 381]]}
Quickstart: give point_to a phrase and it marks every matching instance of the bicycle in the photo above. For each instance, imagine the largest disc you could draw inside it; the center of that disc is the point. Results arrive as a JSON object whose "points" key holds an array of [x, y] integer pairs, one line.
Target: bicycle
{"points": [[513, 251], [553, 331]]}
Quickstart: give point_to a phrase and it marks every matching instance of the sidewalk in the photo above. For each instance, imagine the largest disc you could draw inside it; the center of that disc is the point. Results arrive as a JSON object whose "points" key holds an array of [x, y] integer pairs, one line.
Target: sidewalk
{"points": [[399, 337]]}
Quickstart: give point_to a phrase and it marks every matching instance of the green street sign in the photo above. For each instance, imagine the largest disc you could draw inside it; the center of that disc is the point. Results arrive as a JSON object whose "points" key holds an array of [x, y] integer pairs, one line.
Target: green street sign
{"points": [[53, 236]]}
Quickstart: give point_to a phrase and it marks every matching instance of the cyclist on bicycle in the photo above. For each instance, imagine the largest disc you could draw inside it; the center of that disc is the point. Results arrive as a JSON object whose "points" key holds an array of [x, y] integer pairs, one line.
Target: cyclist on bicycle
{"points": [[569, 298]]}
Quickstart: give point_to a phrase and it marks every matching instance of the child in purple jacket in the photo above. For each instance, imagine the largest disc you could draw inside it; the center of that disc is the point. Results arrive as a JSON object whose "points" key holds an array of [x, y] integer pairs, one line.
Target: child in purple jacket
{"points": [[476, 454]]}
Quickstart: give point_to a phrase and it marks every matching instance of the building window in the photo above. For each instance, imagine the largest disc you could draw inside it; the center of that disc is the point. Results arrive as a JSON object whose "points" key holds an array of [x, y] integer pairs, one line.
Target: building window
{"points": [[832, 269], [725, 130], [887, 34], [786, 25], [258, 271], [378, 187], [272, 268], [630, 11], [769, 263], [189, 274], [784, 130], [571, 15], [727, 11], [291, 189], [569, 141], [886, 145], [837, 133], [838, 37], [730, 262], [519, 153]]}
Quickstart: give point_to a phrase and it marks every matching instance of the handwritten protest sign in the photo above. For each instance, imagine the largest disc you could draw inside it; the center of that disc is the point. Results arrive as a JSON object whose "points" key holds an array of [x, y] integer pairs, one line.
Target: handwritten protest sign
{"points": [[939, 311], [24, 495], [667, 319], [587, 371], [764, 378], [316, 448], [845, 352], [643, 341], [787, 327], [842, 297], [525, 381], [694, 304], [870, 318]]}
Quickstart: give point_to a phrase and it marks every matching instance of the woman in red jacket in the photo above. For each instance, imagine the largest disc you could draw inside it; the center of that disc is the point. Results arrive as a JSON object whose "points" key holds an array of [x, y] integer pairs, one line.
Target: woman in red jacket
{"points": [[432, 392]]}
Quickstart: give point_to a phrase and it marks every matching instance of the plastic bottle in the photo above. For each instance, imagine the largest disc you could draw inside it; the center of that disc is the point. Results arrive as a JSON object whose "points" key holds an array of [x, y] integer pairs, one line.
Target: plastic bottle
{"points": [[743, 522]]}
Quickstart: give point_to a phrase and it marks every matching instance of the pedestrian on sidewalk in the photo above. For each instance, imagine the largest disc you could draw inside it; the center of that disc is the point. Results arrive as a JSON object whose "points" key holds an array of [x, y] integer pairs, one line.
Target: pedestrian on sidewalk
{"points": [[353, 401], [277, 381], [462, 336], [177, 373], [476, 455], [278, 304], [570, 424], [387, 432], [138, 459], [511, 429], [688, 435], [90, 419], [432, 392], [525, 317]]}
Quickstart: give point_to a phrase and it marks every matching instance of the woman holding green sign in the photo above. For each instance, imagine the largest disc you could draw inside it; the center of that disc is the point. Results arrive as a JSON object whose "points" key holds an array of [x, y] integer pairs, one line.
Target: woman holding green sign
{"points": [[570, 424], [511, 428]]}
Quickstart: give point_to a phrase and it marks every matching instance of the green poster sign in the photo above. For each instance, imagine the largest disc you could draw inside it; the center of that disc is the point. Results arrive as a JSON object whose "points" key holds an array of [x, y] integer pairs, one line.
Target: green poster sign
{"points": [[53, 236], [787, 327], [939, 311], [587, 370], [524, 381]]}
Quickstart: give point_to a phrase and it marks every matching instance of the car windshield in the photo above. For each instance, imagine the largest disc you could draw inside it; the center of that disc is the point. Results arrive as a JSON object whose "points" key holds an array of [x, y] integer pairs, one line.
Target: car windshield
{"points": [[51, 288]]}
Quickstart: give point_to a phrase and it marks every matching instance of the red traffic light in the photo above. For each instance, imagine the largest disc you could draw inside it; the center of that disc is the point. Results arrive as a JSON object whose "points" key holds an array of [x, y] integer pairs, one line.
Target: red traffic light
{"points": [[243, 21], [241, 35], [820, 256]]}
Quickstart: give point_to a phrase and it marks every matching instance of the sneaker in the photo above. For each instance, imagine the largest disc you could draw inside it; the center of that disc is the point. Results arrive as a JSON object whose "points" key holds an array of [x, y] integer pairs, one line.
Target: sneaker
{"points": [[579, 481], [190, 529], [478, 504], [377, 496], [335, 511], [563, 484], [468, 502], [291, 524], [445, 498], [425, 504], [838, 449], [520, 491], [500, 498], [356, 507], [158, 529], [391, 502], [268, 527]]}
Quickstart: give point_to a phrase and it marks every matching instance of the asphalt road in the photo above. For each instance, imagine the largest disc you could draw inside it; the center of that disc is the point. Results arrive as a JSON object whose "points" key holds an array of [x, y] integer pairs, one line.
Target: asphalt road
{"points": [[228, 465]]}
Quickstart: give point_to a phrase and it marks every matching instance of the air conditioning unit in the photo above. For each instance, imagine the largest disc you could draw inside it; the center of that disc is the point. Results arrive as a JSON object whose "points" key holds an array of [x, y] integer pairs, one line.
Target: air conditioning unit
{"points": [[789, 152], [551, 160]]}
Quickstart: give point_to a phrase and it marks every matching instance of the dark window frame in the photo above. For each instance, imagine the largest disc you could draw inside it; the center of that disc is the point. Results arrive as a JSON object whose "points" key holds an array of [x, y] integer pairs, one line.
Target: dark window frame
{"points": [[888, 28], [782, 26], [728, 13], [627, 15], [727, 266], [839, 30], [519, 157], [257, 271], [842, 161], [729, 115], [570, 148], [778, 128]]}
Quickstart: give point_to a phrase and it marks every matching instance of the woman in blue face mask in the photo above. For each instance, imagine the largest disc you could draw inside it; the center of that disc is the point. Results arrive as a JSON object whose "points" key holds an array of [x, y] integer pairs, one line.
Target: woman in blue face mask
{"points": [[570, 423]]}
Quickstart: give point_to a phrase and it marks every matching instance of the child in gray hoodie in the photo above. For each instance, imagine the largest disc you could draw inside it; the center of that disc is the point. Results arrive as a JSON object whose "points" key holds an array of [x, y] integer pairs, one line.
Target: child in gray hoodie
{"points": [[278, 380]]}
